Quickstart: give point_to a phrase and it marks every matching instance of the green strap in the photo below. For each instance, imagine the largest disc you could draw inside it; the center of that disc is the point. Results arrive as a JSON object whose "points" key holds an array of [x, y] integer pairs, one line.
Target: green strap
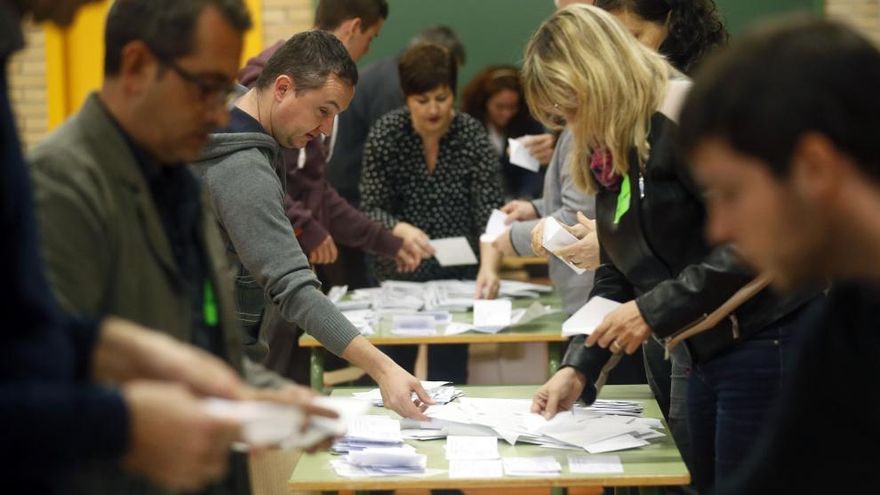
{"points": [[623, 200], [209, 306]]}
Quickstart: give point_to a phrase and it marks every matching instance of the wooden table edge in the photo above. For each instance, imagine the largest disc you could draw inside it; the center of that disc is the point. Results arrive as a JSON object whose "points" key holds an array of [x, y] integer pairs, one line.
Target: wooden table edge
{"points": [[453, 339], [505, 482]]}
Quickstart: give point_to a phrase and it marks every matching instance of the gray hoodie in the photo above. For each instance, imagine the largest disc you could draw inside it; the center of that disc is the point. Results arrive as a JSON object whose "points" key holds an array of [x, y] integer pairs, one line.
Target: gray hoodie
{"points": [[241, 173]]}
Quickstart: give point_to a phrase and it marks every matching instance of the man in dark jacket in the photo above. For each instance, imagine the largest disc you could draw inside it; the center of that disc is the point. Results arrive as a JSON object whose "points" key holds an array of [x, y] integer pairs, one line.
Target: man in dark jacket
{"points": [[782, 130], [54, 414]]}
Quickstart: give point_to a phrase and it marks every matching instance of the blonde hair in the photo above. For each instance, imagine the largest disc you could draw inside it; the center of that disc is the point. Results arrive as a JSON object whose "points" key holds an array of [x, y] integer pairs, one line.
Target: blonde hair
{"points": [[582, 61]]}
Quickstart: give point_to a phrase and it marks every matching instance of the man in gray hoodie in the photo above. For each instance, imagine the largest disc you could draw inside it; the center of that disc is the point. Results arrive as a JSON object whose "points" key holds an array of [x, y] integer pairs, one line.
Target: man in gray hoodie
{"points": [[304, 85]]}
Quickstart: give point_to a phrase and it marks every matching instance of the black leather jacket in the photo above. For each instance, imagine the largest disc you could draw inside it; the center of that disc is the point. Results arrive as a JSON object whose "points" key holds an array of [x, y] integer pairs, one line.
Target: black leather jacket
{"points": [[657, 254]]}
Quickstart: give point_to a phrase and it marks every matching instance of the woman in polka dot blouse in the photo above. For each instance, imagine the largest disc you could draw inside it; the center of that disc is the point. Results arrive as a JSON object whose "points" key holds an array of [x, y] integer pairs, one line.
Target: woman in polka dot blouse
{"points": [[432, 173]]}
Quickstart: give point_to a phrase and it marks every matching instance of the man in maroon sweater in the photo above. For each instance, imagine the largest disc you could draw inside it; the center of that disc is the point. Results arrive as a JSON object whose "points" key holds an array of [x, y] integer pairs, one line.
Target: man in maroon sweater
{"points": [[321, 218]]}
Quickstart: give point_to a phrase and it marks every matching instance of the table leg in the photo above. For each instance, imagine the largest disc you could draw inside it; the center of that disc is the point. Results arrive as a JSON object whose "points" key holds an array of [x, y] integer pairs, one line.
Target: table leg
{"points": [[554, 354], [559, 490], [316, 369]]}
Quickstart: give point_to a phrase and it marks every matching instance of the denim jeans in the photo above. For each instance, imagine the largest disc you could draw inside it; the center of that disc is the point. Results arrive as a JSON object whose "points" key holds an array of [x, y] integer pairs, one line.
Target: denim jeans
{"points": [[668, 381], [729, 398]]}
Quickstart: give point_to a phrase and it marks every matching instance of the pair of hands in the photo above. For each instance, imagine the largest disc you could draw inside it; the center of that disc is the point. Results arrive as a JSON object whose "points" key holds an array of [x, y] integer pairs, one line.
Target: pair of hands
{"points": [[172, 440], [623, 330], [584, 253], [416, 247]]}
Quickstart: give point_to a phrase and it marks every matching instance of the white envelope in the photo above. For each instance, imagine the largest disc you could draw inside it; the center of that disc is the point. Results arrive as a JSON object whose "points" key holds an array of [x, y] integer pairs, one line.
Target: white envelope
{"points": [[453, 251], [556, 237], [492, 314], [495, 226], [586, 319], [520, 156]]}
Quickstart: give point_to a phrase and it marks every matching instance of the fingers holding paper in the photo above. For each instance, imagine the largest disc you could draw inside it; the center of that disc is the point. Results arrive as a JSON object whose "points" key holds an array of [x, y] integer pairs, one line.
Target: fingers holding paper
{"points": [[583, 254], [623, 330], [519, 210], [398, 387], [560, 392]]}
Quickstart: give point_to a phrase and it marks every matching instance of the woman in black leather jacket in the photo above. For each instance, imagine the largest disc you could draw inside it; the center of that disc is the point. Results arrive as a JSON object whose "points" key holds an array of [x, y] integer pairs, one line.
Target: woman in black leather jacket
{"points": [[621, 102]]}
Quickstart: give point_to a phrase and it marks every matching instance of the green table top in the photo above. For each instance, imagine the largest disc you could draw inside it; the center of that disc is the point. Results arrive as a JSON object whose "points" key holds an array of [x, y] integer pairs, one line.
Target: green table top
{"points": [[656, 465], [547, 328]]}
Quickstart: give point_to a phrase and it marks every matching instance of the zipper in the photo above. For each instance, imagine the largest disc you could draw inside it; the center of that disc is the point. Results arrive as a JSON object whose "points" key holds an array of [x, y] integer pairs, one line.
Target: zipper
{"points": [[667, 340], [734, 326]]}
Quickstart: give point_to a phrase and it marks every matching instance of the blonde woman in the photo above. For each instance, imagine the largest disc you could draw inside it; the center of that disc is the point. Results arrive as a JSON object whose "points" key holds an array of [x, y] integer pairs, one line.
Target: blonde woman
{"points": [[620, 103]]}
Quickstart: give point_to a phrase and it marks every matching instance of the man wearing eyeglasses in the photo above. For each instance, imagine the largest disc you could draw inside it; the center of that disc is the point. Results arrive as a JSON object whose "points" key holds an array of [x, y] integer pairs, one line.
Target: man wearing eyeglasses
{"points": [[127, 229]]}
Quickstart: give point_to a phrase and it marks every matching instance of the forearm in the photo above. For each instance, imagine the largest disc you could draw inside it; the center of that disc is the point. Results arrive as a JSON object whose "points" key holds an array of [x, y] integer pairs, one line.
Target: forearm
{"points": [[367, 357], [490, 258]]}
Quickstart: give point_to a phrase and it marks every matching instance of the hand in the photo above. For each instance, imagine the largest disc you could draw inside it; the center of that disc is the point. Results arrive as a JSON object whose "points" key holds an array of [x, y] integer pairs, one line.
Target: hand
{"points": [[397, 387], [488, 283], [540, 146], [127, 351], [538, 239], [414, 239], [298, 396], [325, 253], [407, 261], [504, 245], [560, 392], [519, 210], [583, 253], [584, 227], [623, 330], [174, 442]]}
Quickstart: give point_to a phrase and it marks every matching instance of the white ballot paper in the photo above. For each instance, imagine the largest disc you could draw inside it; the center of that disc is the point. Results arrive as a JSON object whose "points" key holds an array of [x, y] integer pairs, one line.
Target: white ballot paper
{"points": [[555, 238], [596, 464], [531, 466], [453, 251], [520, 156], [590, 316], [495, 226], [486, 468], [492, 314], [460, 448]]}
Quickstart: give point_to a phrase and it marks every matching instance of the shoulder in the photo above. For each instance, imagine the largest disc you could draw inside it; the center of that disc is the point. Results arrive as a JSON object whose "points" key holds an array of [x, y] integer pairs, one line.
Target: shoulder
{"points": [[391, 125], [466, 124], [65, 155]]}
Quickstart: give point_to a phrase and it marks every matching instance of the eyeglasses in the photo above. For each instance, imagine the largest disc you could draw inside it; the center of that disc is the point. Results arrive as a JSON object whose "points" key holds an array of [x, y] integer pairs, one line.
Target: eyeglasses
{"points": [[212, 91]]}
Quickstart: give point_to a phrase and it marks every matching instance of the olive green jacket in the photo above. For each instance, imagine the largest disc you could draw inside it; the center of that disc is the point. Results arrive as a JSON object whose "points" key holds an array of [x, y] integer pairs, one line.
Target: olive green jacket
{"points": [[106, 251]]}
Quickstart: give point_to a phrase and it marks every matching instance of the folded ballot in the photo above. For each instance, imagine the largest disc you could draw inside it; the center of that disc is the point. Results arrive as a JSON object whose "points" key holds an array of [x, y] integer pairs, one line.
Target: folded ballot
{"points": [[453, 251], [520, 156], [555, 238], [495, 226], [590, 316], [266, 424]]}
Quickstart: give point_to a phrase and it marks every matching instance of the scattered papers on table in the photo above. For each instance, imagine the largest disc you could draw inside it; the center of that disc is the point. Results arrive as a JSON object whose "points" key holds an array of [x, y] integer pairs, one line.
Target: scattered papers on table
{"points": [[531, 466], [596, 464], [449, 295], [556, 237], [622, 408], [453, 251], [590, 316], [362, 319], [494, 227], [461, 448], [440, 392], [582, 428], [486, 468], [520, 156], [370, 431], [519, 316]]}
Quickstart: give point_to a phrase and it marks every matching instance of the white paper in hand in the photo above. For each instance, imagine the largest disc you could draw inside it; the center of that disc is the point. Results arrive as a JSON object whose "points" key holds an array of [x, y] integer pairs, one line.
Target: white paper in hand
{"points": [[590, 316], [520, 156], [453, 251], [495, 226], [556, 237]]}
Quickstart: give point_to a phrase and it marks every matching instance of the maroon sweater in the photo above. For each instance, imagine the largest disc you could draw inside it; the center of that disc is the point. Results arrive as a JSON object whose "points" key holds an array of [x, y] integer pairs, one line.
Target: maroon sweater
{"points": [[313, 206]]}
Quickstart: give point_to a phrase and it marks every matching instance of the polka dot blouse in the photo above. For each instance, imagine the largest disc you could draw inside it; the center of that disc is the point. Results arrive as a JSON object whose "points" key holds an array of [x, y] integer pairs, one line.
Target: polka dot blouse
{"points": [[454, 200]]}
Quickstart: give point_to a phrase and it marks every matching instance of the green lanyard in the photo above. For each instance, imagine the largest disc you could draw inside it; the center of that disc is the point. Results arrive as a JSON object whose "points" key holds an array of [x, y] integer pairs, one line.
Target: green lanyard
{"points": [[209, 305], [623, 200]]}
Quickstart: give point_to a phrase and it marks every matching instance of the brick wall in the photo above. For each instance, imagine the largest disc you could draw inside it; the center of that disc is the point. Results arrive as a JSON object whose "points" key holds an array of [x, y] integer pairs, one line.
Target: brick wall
{"points": [[283, 18], [27, 71]]}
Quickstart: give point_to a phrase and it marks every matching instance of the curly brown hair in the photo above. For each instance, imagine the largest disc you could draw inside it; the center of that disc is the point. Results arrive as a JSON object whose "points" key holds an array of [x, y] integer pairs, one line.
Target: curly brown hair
{"points": [[486, 84]]}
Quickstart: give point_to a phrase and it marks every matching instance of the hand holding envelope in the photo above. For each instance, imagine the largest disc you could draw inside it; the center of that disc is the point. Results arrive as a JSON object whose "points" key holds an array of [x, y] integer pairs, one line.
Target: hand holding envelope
{"points": [[577, 245]]}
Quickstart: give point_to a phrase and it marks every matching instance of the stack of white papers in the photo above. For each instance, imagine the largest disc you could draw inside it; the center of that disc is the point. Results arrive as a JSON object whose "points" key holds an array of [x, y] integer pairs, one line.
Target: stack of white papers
{"points": [[370, 431], [476, 469], [618, 407], [494, 227], [531, 466], [448, 295], [441, 393], [467, 448], [362, 319], [556, 237], [492, 315], [382, 461], [453, 251], [590, 316], [413, 325]]}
